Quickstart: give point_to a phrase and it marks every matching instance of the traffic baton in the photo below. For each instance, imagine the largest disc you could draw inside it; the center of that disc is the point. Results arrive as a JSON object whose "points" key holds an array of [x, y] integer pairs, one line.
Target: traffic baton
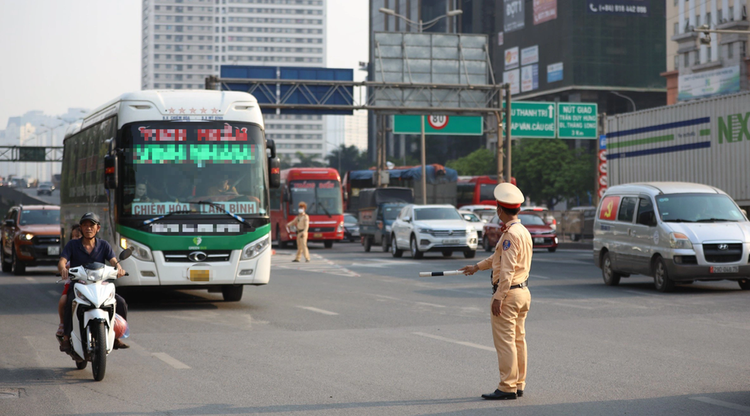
{"points": [[445, 273]]}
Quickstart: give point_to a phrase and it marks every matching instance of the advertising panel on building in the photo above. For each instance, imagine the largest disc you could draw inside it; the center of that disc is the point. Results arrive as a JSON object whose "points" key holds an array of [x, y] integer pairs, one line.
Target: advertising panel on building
{"points": [[621, 7], [709, 83], [544, 10], [514, 15]]}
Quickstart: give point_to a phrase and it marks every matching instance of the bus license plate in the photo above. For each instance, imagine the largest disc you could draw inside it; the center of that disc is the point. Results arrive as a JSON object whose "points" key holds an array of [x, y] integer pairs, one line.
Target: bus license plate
{"points": [[451, 241], [53, 251], [199, 275], [725, 269], [318, 235], [538, 240]]}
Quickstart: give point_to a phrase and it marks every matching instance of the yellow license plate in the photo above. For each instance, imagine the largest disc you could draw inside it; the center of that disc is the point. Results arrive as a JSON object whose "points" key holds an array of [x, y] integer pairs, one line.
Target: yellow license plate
{"points": [[316, 235], [199, 275]]}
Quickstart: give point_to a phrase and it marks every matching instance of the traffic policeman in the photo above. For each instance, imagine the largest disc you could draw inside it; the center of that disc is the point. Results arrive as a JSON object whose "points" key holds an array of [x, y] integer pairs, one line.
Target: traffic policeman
{"points": [[302, 223], [510, 264]]}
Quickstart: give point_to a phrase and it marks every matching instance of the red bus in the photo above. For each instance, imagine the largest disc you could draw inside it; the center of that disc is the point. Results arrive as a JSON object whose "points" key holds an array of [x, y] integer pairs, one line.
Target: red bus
{"points": [[320, 188], [477, 190]]}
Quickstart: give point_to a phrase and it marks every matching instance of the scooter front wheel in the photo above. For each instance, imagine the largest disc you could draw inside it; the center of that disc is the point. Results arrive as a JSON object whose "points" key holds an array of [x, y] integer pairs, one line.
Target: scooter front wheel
{"points": [[98, 349]]}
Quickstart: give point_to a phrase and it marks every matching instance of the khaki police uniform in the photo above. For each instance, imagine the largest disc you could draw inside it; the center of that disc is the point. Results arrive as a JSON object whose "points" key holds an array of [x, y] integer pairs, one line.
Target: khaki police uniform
{"points": [[302, 223], [511, 264]]}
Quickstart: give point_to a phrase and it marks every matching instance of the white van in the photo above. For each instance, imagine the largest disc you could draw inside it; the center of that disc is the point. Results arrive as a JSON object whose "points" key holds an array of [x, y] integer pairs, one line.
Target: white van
{"points": [[677, 232]]}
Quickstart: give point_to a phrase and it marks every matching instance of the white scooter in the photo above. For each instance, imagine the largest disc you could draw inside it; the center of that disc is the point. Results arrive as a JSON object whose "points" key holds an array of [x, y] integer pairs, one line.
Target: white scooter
{"points": [[93, 334]]}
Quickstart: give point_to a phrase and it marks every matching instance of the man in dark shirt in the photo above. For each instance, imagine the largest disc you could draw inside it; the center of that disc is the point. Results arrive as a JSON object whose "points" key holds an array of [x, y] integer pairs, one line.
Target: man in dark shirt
{"points": [[88, 249]]}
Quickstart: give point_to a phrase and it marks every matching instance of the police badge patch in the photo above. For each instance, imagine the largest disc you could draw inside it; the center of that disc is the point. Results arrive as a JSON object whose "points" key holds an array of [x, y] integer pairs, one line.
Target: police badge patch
{"points": [[506, 245]]}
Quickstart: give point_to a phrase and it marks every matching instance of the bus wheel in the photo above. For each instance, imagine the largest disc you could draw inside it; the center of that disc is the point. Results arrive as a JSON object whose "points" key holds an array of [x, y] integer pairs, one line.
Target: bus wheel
{"points": [[279, 242], [232, 293], [328, 244]]}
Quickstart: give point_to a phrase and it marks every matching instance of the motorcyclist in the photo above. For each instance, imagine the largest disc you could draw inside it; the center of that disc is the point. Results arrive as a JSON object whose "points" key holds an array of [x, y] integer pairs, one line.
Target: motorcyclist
{"points": [[88, 249]]}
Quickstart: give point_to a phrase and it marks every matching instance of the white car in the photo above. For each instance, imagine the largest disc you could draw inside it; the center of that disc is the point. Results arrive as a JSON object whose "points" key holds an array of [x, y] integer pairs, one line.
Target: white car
{"points": [[474, 220], [484, 212], [423, 228]]}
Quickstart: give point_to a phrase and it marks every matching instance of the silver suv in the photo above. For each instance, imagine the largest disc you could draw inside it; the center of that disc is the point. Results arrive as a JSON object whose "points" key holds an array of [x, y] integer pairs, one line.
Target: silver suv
{"points": [[423, 228]]}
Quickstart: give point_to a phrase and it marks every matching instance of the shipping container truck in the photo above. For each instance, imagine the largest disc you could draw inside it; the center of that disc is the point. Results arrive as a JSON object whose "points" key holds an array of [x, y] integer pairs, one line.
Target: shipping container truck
{"points": [[704, 141]]}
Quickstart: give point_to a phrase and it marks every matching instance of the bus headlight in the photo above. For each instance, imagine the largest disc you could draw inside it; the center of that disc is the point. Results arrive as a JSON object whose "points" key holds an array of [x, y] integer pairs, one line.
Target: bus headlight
{"points": [[140, 251], [254, 249], [341, 228]]}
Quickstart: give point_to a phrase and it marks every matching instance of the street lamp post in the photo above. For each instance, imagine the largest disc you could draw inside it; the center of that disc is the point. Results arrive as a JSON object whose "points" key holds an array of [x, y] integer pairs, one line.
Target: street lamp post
{"points": [[421, 26]]}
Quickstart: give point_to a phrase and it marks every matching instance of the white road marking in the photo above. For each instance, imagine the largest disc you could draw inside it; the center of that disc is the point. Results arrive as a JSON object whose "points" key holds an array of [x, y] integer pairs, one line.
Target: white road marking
{"points": [[430, 304], [538, 276], [323, 311], [55, 293], [31, 279], [453, 341], [721, 403], [387, 297], [171, 361]]}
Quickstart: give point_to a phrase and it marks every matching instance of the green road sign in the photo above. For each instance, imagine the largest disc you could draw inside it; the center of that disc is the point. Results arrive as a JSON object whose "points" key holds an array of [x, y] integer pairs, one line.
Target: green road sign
{"points": [[438, 124], [532, 119], [576, 120], [31, 154]]}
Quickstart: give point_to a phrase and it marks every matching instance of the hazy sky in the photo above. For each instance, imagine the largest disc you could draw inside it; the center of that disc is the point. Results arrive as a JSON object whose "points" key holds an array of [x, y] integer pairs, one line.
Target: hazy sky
{"points": [[57, 54]]}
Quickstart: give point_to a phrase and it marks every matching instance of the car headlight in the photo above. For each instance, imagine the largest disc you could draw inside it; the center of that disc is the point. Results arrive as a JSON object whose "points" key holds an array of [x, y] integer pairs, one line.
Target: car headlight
{"points": [[27, 236], [679, 240], [470, 230], [140, 251], [388, 228], [255, 248], [424, 230]]}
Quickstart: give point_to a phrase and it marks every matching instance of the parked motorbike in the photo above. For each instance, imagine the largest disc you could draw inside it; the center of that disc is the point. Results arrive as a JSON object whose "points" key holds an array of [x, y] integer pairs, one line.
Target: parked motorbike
{"points": [[93, 334]]}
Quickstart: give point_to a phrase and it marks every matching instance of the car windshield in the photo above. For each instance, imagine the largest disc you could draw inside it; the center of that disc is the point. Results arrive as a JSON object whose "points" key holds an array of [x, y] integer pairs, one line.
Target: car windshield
{"points": [[470, 217], [323, 197], [40, 216], [169, 165], [350, 220], [391, 212], [697, 208], [531, 220], [426, 214], [486, 214]]}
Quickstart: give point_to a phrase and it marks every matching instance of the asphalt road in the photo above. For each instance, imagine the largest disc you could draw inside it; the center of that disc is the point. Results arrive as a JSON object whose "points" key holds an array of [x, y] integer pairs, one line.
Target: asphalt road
{"points": [[354, 333]]}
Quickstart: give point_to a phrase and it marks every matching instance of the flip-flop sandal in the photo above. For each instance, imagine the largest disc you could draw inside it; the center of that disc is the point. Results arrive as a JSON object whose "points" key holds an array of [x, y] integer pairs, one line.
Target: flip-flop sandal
{"points": [[60, 330]]}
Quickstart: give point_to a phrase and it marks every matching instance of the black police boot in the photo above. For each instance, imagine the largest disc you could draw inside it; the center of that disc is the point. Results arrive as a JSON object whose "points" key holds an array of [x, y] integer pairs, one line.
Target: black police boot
{"points": [[519, 393], [499, 395]]}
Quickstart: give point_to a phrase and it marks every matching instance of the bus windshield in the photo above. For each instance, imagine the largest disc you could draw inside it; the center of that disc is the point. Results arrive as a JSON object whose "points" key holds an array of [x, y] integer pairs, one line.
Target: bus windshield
{"points": [[323, 197], [169, 166]]}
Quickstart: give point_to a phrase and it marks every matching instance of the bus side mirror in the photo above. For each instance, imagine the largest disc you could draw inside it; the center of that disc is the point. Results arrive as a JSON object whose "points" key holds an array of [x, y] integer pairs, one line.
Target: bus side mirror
{"points": [[110, 172], [274, 172]]}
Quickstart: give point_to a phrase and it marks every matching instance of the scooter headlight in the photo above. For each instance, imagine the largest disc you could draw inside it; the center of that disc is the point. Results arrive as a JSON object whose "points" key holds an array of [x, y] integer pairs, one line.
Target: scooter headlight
{"points": [[81, 296]]}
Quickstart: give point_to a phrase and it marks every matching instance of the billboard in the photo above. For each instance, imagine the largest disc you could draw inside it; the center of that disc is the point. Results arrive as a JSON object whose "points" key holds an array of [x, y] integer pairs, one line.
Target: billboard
{"points": [[514, 15], [529, 78], [554, 72], [430, 58], [513, 77], [708, 83], [511, 58], [544, 10], [618, 7], [530, 55]]}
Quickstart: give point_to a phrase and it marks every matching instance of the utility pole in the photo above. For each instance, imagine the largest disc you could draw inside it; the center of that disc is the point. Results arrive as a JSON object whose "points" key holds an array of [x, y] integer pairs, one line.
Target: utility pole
{"points": [[508, 127]]}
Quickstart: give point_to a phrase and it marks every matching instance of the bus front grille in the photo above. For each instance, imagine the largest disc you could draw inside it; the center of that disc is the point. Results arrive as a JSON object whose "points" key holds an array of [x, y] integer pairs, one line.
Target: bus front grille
{"points": [[183, 256]]}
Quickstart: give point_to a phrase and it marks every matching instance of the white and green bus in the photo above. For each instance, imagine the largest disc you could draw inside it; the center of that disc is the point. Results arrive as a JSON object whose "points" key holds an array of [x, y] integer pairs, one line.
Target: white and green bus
{"points": [[181, 178]]}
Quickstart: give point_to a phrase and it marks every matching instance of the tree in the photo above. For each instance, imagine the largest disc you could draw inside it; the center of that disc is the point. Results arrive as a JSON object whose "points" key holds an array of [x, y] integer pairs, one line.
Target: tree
{"points": [[549, 171], [307, 161], [479, 162], [346, 158]]}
